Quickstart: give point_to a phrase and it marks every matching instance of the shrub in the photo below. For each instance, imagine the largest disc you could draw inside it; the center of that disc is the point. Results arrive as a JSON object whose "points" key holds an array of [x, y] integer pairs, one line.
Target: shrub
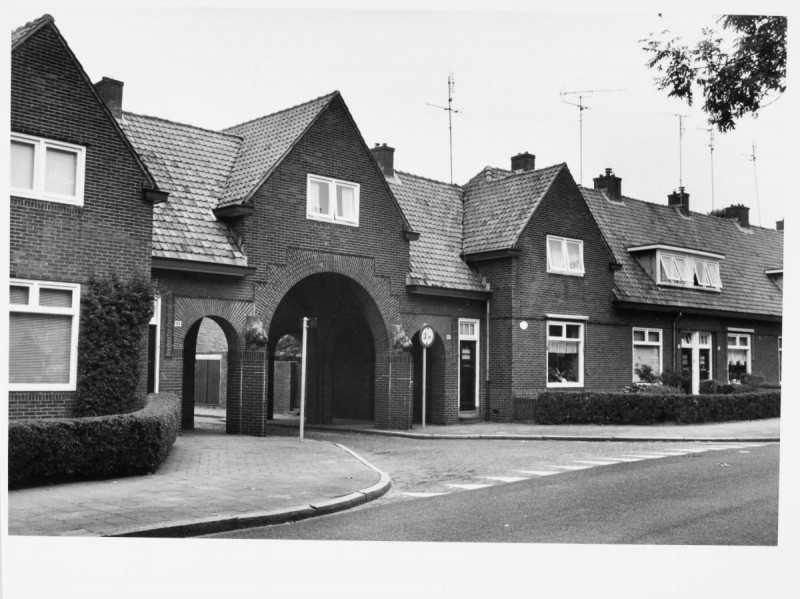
{"points": [[46, 451], [650, 408], [114, 315]]}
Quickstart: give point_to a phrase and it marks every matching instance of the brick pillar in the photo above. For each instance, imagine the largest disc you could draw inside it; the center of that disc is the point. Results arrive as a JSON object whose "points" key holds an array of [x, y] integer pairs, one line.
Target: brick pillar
{"points": [[394, 391], [254, 392], [233, 408]]}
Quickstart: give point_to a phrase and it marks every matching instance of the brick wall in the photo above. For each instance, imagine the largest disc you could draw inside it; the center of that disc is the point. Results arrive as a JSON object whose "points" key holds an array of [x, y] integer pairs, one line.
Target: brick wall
{"points": [[111, 232]]}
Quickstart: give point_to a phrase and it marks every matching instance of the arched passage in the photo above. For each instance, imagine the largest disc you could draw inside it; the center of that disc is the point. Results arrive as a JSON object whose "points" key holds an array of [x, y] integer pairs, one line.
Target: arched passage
{"points": [[434, 380], [341, 356], [191, 391]]}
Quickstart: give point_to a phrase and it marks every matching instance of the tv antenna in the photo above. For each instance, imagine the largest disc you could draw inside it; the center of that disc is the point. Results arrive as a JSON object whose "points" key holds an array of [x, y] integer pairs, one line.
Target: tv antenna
{"points": [[450, 110], [587, 93], [681, 129], [711, 151], [752, 157]]}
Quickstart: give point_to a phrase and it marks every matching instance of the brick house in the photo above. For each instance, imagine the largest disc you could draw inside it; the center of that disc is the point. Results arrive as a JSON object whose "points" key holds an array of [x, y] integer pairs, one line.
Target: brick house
{"points": [[528, 281], [81, 206]]}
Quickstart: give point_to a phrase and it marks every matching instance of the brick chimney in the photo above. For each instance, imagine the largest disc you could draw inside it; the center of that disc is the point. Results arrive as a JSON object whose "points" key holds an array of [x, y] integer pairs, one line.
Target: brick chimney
{"points": [[610, 184], [680, 199], [111, 92], [779, 225], [384, 156], [739, 213], [523, 162]]}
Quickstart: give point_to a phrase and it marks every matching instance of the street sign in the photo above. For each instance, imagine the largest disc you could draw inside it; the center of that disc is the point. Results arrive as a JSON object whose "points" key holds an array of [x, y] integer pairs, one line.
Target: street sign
{"points": [[426, 336]]}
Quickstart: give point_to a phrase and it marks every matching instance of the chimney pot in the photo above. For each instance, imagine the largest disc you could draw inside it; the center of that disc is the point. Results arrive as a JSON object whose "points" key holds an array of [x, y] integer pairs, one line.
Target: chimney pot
{"points": [[384, 156], [110, 90], [740, 213], [779, 225], [523, 162], [610, 184], [680, 199]]}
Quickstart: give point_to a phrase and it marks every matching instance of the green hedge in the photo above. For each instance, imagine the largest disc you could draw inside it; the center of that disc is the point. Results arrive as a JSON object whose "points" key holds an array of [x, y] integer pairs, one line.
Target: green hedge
{"points": [[48, 451], [633, 408]]}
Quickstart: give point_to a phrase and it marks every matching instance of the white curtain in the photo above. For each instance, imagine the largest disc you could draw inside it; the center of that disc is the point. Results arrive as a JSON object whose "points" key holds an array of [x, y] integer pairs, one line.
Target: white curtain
{"points": [[22, 165], [345, 202], [575, 256], [319, 197], [557, 258], [562, 347], [61, 169]]}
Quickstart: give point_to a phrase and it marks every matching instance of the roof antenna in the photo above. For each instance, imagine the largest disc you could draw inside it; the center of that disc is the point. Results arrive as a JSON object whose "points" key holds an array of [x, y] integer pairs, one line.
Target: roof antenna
{"points": [[711, 150], [752, 157], [450, 110], [581, 107], [681, 129]]}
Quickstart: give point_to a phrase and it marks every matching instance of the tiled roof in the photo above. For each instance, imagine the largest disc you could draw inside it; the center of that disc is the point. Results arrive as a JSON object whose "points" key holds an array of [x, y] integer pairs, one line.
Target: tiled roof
{"points": [[193, 165], [266, 141], [497, 210], [21, 33], [435, 211], [748, 251]]}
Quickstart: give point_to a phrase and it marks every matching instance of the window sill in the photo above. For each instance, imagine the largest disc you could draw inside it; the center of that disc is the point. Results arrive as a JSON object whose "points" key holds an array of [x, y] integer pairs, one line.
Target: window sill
{"points": [[566, 272], [564, 385], [332, 221], [70, 201], [690, 287]]}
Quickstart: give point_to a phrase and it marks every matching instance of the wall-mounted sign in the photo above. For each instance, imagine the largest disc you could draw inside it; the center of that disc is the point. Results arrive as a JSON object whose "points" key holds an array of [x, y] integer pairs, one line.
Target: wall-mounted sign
{"points": [[178, 324], [426, 336], [523, 325]]}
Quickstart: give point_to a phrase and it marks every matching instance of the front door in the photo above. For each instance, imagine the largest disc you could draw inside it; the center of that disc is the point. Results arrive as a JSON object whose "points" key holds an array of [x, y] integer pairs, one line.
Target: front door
{"points": [[467, 375], [206, 382]]}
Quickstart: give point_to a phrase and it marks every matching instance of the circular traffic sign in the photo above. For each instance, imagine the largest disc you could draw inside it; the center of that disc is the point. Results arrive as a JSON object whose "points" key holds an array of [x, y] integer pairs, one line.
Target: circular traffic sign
{"points": [[426, 336]]}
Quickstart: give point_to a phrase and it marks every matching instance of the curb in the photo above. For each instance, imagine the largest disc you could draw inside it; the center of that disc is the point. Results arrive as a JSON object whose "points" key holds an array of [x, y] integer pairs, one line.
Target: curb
{"points": [[194, 528]]}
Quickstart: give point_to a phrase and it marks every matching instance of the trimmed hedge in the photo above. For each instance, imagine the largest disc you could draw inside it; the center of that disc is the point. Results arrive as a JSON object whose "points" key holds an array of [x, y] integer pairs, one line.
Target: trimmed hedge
{"points": [[634, 408], [48, 451]]}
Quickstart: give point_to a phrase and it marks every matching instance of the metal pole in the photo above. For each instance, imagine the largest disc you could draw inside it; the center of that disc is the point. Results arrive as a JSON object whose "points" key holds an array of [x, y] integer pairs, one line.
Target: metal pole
{"points": [[303, 377], [424, 381]]}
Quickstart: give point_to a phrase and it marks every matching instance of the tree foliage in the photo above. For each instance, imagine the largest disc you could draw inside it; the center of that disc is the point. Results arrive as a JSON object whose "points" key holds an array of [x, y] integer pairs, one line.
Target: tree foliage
{"points": [[114, 316], [734, 78]]}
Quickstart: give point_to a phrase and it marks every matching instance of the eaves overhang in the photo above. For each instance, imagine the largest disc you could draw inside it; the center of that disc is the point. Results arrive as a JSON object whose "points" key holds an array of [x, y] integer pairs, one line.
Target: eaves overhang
{"points": [[233, 211], [449, 292], [671, 248], [686, 310], [197, 266], [491, 255]]}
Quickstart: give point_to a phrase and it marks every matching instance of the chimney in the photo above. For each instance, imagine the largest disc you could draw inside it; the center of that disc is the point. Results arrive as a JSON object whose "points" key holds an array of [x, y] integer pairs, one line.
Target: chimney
{"points": [[384, 156], [523, 162], [111, 92], [740, 213], [779, 225], [680, 199], [610, 184]]}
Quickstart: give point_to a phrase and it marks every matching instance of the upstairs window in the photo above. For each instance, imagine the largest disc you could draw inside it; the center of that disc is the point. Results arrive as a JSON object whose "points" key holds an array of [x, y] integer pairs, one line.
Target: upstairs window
{"points": [[332, 200], [688, 271], [43, 336], [565, 256], [47, 170]]}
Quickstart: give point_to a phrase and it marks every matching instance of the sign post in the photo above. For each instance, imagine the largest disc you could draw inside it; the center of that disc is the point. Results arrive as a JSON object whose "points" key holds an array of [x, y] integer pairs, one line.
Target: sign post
{"points": [[308, 323], [426, 337]]}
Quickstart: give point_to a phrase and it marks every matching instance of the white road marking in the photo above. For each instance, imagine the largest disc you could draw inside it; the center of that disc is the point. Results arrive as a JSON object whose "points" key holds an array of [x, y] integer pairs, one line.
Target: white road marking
{"points": [[467, 486], [505, 479], [539, 472], [597, 463], [569, 467], [649, 456], [422, 494]]}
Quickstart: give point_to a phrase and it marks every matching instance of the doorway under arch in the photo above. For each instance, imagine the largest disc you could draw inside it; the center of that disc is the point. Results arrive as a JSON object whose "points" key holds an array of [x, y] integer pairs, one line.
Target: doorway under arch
{"points": [[341, 348]]}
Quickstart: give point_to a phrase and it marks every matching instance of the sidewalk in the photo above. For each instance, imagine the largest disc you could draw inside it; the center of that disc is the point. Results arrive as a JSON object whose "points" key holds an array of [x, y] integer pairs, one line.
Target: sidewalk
{"points": [[212, 482]]}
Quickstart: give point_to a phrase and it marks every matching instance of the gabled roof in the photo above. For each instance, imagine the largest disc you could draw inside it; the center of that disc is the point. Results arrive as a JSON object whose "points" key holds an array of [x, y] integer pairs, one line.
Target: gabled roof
{"points": [[435, 210], [266, 141], [747, 251], [194, 166], [496, 211], [20, 34]]}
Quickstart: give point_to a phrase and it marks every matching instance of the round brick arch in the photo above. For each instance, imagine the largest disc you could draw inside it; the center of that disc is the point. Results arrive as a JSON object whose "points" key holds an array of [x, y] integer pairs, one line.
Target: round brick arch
{"points": [[382, 309]]}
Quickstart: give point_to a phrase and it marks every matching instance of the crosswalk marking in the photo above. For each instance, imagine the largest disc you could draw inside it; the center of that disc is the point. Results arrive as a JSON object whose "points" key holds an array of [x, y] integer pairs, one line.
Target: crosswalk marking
{"points": [[468, 486], [569, 467], [539, 472], [506, 479], [412, 494], [598, 463]]}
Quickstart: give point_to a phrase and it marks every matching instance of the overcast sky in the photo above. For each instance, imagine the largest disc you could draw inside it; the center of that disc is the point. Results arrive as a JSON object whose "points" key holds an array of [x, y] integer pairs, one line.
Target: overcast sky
{"points": [[214, 67], [513, 73]]}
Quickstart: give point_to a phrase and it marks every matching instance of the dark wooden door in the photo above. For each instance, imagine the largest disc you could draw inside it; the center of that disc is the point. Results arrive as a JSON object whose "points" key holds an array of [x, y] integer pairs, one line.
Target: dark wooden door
{"points": [[206, 382], [467, 375]]}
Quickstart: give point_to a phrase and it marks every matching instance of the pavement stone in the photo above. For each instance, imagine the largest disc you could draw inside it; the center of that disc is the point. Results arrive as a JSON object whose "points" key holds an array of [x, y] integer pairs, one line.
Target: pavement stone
{"points": [[212, 482]]}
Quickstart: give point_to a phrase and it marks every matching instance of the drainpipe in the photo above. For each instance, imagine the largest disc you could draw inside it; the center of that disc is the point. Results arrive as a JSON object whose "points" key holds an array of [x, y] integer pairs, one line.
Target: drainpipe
{"points": [[488, 378]]}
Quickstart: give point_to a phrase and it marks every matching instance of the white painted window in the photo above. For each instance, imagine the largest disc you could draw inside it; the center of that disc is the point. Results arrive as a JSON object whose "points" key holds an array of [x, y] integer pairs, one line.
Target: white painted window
{"points": [[565, 256], [564, 354], [688, 271], [43, 335], [332, 200], [739, 356], [47, 170], [647, 350]]}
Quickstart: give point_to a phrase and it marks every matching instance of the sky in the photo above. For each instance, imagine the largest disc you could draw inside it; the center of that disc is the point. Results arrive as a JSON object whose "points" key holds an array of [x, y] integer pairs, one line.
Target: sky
{"points": [[514, 66], [515, 73]]}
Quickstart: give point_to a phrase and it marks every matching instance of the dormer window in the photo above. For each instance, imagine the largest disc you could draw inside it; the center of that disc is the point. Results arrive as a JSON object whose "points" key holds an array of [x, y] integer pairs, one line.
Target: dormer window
{"points": [[678, 267], [332, 200]]}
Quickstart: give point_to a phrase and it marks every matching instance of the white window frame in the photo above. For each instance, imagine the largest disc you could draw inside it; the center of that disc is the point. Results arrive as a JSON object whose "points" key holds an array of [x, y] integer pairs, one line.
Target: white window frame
{"points": [[333, 213], [780, 360], [682, 269], [566, 269], [738, 345], [659, 344], [476, 337], [580, 342], [156, 322], [40, 147], [32, 307]]}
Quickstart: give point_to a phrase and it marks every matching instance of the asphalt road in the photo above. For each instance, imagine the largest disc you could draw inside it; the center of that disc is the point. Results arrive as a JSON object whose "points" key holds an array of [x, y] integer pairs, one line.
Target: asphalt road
{"points": [[720, 497]]}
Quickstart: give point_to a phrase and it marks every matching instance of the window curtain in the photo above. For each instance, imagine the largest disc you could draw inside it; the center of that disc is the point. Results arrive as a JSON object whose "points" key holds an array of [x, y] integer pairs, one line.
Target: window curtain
{"points": [[557, 258], [60, 173], [39, 347], [22, 165], [575, 257], [319, 197], [737, 356], [644, 355], [345, 202], [557, 346]]}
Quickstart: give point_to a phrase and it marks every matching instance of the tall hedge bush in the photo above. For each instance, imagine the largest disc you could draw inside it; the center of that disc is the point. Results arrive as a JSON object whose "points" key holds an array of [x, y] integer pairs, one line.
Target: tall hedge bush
{"points": [[114, 316]]}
